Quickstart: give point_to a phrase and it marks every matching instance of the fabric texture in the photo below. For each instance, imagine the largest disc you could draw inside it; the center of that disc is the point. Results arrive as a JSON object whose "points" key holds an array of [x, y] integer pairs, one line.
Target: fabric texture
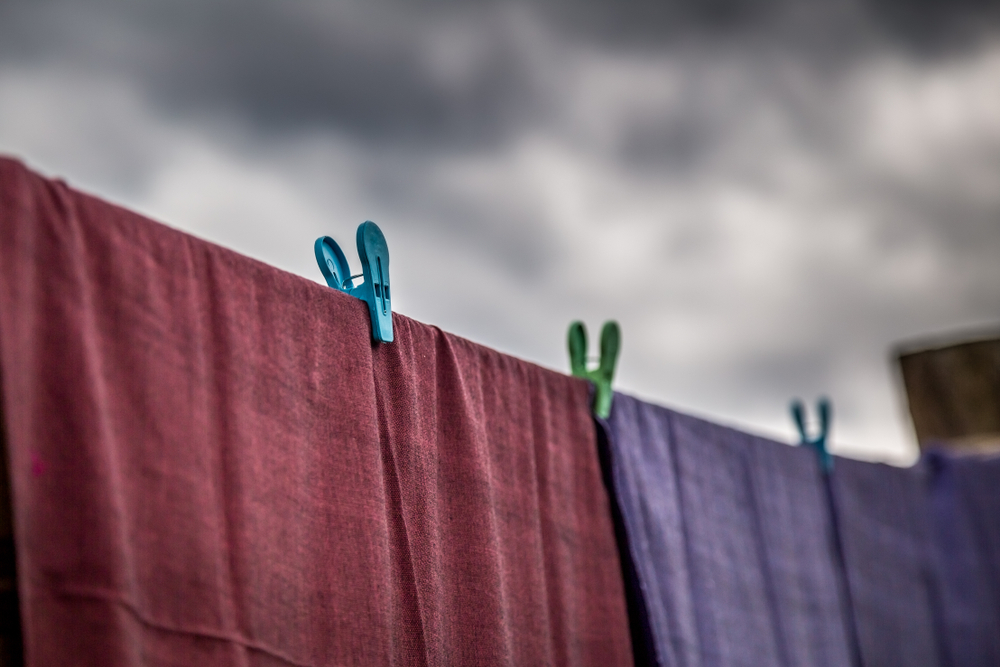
{"points": [[212, 464], [731, 542], [964, 497], [885, 532]]}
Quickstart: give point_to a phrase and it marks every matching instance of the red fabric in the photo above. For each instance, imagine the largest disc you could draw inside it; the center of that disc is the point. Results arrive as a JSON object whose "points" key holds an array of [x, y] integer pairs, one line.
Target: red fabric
{"points": [[213, 465]]}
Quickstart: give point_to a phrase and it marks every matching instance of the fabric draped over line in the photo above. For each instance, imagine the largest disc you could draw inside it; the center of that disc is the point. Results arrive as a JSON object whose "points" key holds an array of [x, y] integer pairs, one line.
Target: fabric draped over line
{"points": [[734, 549], [922, 552], [964, 497], [729, 535], [212, 464], [887, 555]]}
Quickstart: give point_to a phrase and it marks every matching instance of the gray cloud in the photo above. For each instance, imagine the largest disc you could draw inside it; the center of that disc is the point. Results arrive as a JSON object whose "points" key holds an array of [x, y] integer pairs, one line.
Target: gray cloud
{"points": [[374, 71], [439, 73], [768, 195]]}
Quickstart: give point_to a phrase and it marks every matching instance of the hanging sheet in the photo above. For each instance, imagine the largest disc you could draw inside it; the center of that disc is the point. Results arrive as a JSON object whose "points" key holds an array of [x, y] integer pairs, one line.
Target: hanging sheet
{"points": [[964, 496], [730, 538], [884, 529], [213, 465]]}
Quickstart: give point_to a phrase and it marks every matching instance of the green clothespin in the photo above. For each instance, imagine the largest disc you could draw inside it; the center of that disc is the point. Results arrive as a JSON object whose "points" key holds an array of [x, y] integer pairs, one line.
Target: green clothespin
{"points": [[605, 371], [819, 442]]}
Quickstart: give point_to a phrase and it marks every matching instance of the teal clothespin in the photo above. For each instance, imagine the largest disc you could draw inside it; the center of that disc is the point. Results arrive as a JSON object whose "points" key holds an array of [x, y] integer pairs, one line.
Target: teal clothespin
{"points": [[605, 372], [374, 254], [819, 442]]}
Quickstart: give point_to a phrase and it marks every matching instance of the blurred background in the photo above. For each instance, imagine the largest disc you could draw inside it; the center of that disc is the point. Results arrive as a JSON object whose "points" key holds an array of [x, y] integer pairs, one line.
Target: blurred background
{"points": [[768, 195]]}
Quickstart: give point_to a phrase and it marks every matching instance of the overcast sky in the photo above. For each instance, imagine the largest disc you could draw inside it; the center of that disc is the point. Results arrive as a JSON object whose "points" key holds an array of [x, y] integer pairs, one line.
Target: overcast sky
{"points": [[767, 195]]}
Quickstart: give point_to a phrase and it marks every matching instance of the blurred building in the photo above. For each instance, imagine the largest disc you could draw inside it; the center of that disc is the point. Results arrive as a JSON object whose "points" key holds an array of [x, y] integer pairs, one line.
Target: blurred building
{"points": [[954, 395]]}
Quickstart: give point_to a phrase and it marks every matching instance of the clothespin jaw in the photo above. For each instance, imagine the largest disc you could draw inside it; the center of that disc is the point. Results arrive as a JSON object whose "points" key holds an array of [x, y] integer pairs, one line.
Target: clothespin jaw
{"points": [[333, 264], [819, 442], [374, 254], [577, 343], [601, 376]]}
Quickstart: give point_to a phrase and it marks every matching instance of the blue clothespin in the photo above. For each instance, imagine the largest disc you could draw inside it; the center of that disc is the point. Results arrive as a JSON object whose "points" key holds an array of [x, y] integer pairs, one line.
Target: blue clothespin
{"points": [[819, 442], [374, 254], [605, 372]]}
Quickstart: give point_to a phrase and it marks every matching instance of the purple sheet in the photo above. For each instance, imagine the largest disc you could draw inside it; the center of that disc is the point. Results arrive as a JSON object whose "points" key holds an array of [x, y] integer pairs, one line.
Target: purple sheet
{"points": [[964, 498], [887, 551], [730, 538]]}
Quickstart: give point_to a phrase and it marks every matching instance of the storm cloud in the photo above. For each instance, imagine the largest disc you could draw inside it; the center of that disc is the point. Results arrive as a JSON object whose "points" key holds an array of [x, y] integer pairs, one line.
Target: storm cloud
{"points": [[768, 195]]}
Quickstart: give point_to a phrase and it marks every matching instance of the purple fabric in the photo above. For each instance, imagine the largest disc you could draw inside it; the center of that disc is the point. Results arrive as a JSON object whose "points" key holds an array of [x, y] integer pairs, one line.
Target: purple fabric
{"points": [[887, 552], [730, 539], [964, 498]]}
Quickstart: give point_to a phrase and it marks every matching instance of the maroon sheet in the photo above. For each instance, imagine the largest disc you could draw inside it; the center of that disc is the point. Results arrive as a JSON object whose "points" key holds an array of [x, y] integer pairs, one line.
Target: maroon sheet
{"points": [[213, 465]]}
